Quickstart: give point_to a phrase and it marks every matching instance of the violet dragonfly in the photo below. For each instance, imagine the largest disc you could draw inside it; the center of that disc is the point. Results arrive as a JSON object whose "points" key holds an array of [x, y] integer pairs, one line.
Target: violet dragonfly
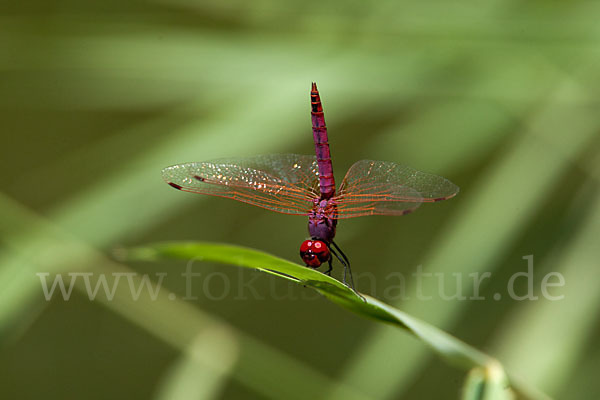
{"points": [[304, 185]]}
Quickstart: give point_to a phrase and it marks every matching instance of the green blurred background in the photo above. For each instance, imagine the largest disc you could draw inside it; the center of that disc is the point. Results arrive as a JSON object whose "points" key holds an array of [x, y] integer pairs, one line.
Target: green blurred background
{"points": [[500, 97]]}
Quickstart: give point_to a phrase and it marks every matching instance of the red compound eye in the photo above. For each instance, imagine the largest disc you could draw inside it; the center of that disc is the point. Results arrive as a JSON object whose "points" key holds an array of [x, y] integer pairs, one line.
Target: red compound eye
{"points": [[314, 252]]}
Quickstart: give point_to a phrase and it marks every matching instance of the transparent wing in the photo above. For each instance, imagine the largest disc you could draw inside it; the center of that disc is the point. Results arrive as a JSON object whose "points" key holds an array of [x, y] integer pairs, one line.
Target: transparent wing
{"points": [[286, 183], [386, 188]]}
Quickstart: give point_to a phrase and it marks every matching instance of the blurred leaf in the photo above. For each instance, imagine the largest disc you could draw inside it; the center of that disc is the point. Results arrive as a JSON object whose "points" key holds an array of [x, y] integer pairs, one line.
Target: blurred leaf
{"points": [[567, 322], [455, 88], [33, 244], [504, 198], [203, 368], [486, 384]]}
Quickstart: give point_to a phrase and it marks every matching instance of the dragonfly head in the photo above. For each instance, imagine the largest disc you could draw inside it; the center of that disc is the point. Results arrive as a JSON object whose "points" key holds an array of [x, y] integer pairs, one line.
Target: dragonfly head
{"points": [[314, 252]]}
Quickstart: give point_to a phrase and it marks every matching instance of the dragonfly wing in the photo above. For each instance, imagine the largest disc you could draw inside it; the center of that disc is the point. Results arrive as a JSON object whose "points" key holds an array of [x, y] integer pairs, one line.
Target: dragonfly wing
{"points": [[286, 183], [386, 188]]}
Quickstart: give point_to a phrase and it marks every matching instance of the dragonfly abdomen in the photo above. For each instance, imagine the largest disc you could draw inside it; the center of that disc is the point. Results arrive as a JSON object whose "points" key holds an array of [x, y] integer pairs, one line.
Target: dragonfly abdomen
{"points": [[326, 181]]}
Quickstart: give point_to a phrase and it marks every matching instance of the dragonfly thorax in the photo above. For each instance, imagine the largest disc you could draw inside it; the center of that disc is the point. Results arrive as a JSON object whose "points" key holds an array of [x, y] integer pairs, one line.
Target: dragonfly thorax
{"points": [[321, 220]]}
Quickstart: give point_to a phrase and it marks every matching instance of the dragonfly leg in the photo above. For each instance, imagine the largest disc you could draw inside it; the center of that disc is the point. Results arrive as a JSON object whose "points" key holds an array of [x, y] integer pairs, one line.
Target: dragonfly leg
{"points": [[344, 260], [340, 259], [328, 272]]}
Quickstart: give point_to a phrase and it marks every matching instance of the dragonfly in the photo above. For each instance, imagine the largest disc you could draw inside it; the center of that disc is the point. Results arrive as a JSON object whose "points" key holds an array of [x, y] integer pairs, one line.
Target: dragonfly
{"points": [[304, 185]]}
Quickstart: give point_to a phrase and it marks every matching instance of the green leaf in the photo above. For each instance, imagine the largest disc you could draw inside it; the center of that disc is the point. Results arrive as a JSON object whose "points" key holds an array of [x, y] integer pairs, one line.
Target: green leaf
{"points": [[247, 258], [450, 348]]}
